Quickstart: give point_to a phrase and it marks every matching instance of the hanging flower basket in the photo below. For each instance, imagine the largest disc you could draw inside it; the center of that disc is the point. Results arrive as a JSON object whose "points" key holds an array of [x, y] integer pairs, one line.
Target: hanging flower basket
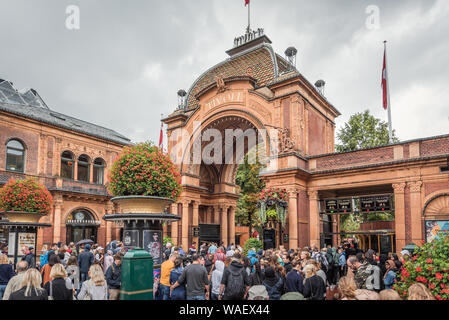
{"points": [[272, 204], [144, 180], [25, 201]]}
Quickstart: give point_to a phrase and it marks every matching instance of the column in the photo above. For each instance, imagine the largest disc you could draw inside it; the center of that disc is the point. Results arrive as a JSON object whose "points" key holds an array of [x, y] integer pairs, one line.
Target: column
{"points": [[195, 222], [399, 211], [224, 225], [91, 171], [217, 214], [185, 225], [174, 224], [292, 219], [75, 168], [314, 218], [57, 219], [415, 208], [232, 225]]}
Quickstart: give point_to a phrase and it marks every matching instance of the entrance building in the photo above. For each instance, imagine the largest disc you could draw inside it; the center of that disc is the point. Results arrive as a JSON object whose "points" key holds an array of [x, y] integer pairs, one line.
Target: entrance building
{"points": [[258, 89]]}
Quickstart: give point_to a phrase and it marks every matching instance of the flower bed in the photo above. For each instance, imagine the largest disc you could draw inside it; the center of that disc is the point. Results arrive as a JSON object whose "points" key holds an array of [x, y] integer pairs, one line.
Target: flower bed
{"points": [[144, 170], [430, 266], [25, 196], [272, 205]]}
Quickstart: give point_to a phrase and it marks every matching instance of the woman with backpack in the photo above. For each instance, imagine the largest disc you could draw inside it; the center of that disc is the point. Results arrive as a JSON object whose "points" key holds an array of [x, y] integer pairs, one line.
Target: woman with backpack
{"points": [[273, 283], [95, 288]]}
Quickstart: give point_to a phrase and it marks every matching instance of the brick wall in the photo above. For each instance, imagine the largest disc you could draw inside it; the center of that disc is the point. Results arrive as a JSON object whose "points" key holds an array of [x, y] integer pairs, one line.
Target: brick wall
{"points": [[435, 186], [303, 215], [435, 146]]}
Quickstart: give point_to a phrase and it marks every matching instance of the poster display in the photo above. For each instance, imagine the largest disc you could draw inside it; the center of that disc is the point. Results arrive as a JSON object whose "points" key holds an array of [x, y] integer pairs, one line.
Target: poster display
{"points": [[26, 239], [434, 229], [345, 205], [131, 238], [152, 242]]}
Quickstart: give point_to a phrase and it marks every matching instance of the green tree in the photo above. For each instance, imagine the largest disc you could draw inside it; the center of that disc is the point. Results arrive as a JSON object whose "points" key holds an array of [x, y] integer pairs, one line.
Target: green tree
{"points": [[363, 131], [249, 185]]}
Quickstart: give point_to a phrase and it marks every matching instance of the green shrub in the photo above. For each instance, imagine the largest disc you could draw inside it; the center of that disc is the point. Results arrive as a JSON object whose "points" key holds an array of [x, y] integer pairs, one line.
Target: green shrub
{"points": [[251, 243], [166, 240]]}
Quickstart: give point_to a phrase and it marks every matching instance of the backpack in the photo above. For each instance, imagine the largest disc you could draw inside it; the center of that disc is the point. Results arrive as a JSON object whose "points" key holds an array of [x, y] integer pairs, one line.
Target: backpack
{"points": [[235, 287], [321, 258], [336, 259], [272, 290]]}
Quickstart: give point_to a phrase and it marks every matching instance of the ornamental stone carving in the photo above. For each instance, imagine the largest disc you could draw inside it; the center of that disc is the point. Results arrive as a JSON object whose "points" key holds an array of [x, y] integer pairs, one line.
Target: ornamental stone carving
{"points": [[399, 187], [415, 186], [286, 144]]}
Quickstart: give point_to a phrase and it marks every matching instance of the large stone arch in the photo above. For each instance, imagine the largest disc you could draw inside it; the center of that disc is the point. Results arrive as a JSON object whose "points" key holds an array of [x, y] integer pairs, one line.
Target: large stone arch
{"points": [[437, 206]]}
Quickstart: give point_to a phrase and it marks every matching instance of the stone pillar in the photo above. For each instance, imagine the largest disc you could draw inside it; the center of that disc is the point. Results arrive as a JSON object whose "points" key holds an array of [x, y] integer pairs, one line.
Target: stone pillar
{"points": [[195, 222], [174, 224], [231, 225], [224, 225], [292, 219], [185, 225], [314, 218], [415, 208], [399, 211], [75, 168], [57, 218], [217, 214], [91, 171]]}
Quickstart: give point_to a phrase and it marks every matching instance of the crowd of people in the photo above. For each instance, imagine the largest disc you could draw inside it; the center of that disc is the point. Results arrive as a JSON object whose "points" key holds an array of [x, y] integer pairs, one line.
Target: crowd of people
{"points": [[63, 272], [209, 272], [215, 272]]}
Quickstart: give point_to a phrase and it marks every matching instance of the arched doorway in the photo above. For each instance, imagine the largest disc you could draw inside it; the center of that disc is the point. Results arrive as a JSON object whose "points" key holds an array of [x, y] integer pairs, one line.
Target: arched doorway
{"points": [[81, 224], [436, 216]]}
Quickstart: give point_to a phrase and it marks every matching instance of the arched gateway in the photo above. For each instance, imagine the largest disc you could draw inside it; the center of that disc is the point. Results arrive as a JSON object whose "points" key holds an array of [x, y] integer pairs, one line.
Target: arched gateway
{"points": [[257, 97]]}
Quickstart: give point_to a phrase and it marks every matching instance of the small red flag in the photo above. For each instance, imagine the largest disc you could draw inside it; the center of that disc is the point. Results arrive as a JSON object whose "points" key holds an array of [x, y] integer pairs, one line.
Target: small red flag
{"points": [[246, 2], [384, 81], [161, 136]]}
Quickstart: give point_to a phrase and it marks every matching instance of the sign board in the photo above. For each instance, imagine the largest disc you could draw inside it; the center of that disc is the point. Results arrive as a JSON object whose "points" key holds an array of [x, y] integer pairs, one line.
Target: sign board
{"points": [[383, 203], [196, 232], [131, 238], [152, 242], [368, 204], [331, 206], [26, 239], [285, 238], [345, 205]]}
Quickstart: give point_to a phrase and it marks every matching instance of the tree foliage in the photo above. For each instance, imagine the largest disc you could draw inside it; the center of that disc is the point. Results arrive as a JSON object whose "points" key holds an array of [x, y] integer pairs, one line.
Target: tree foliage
{"points": [[363, 131]]}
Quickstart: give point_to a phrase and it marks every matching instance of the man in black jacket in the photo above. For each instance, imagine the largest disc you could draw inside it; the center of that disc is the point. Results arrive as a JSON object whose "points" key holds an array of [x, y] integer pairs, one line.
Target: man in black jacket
{"points": [[294, 279], [114, 278], [235, 281], [85, 260], [30, 257]]}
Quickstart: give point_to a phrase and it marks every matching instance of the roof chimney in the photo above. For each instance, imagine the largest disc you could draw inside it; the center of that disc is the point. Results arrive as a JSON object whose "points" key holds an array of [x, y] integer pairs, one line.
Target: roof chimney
{"points": [[290, 53], [181, 98], [320, 86]]}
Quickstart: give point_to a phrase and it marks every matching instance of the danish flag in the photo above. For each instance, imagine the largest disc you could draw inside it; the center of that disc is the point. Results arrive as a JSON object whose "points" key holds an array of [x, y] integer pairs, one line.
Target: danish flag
{"points": [[384, 81], [246, 2]]}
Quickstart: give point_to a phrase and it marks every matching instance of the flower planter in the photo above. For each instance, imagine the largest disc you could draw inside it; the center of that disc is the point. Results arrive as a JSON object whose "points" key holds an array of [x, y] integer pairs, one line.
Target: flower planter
{"points": [[142, 204], [23, 217]]}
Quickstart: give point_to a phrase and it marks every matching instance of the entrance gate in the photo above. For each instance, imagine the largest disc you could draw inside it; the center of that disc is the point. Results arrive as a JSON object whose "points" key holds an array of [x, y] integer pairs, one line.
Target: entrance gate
{"points": [[209, 233]]}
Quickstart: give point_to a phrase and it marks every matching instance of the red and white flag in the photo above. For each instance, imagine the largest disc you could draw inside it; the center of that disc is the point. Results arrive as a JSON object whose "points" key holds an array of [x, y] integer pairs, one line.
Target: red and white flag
{"points": [[385, 82], [161, 136], [246, 2]]}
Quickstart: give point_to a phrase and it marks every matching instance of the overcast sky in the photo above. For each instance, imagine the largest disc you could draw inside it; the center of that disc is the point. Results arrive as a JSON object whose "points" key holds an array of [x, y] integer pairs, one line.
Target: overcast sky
{"points": [[124, 65]]}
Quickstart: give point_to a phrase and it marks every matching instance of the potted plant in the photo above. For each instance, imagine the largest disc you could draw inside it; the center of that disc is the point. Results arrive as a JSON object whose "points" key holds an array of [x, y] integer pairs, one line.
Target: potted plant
{"points": [[144, 180], [25, 200], [272, 205]]}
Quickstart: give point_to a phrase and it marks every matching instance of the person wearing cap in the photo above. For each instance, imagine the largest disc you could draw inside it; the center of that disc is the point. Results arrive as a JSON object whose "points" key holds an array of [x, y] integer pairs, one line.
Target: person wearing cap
{"points": [[30, 258], [258, 292], [85, 260], [405, 254]]}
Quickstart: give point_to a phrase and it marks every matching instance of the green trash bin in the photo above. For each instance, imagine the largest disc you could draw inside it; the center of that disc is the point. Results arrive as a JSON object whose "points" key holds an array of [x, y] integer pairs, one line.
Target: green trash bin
{"points": [[137, 276]]}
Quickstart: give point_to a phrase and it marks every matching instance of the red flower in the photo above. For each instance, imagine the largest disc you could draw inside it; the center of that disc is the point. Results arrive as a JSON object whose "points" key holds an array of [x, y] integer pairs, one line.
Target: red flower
{"points": [[429, 260], [418, 269]]}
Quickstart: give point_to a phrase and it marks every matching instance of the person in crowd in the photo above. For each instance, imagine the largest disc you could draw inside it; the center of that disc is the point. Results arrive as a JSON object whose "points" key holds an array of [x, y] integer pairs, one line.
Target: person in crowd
{"points": [[319, 272], [195, 278], [99, 256], [220, 255], [247, 265], [273, 283], [389, 294], [46, 270], [85, 260], [73, 250], [73, 273], [256, 277], [294, 279], [389, 277], [6, 273], [227, 261], [314, 286], [212, 249], [209, 263], [258, 292], [30, 257], [192, 248], [43, 256], [305, 256], [347, 288], [418, 291], [167, 250], [365, 294], [383, 268], [96, 287], [113, 278], [30, 287], [166, 268], [235, 280], [362, 271], [57, 288], [203, 249], [342, 262], [67, 255], [180, 292], [53, 251], [15, 283], [108, 260], [404, 256], [230, 252], [215, 280], [61, 255]]}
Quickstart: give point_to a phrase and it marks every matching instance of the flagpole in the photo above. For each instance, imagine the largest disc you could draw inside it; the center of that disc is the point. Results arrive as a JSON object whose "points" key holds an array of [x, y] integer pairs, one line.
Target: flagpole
{"points": [[390, 130], [249, 17]]}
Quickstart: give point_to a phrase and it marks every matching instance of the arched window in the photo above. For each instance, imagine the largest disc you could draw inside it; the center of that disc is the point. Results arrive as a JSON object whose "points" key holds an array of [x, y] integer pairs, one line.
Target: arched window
{"points": [[83, 168], [67, 165], [98, 171], [15, 156]]}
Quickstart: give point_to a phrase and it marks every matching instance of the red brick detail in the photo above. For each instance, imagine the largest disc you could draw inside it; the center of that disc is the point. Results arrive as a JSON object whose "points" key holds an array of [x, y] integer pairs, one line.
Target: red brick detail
{"points": [[317, 134], [303, 215], [406, 151], [49, 156], [408, 216], [435, 186], [286, 112], [434, 147]]}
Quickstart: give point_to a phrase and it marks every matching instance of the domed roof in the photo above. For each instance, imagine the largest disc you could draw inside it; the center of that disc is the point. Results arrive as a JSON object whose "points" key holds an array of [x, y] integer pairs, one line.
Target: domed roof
{"points": [[260, 63]]}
